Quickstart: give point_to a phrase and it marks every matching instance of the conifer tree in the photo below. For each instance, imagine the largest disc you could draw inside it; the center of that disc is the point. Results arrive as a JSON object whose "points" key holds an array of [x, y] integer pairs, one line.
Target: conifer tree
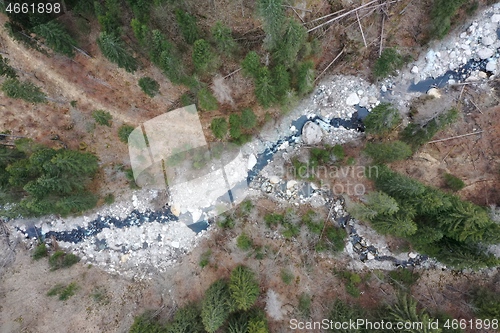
{"points": [[273, 17], [243, 287], [149, 86], [219, 127], [27, 91], [388, 152], [248, 118], [56, 37], [114, 50], [202, 56], [281, 79], [215, 306], [305, 77], [289, 45], [223, 39], [382, 119], [187, 24], [405, 310], [5, 69], [251, 64], [264, 88]]}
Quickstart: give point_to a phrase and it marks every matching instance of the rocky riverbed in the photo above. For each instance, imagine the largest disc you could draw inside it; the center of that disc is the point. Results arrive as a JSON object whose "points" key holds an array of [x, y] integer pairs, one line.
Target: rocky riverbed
{"points": [[153, 242]]}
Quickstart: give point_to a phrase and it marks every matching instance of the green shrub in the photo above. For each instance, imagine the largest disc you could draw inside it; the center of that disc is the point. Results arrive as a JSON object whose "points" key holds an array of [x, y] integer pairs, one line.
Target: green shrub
{"points": [[56, 37], [202, 56], [248, 118], [388, 62], [27, 91], [206, 100], [244, 242], [149, 86], [442, 13], [146, 323], [226, 222], [60, 259], [219, 127], [453, 182], [235, 125], [187, 25], [273, 219], [113, 48], [205, 258], [40, 251], [243, 287], [338, 152], [486, 303], [388, 152], [287, 276], [124, 132], [5, 69], [382, 119], [64, 292], [102, 117]]}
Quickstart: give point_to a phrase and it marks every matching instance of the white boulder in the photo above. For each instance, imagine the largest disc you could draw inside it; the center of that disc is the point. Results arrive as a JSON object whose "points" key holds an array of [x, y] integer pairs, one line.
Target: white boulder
{"points": [[352, 99], [311, 133]]}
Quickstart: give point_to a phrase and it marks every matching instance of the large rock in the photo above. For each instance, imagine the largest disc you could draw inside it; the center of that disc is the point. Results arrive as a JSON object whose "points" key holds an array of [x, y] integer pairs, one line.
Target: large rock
{"points": [[434, 92], [352, 99], [485, 53], [488, 40], [491, 66], [311, 133], [495, 18]]}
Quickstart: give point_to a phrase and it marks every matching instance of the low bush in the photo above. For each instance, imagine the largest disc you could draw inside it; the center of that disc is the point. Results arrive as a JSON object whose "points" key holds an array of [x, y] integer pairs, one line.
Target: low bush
{"points": [[124, 132], [64, 292], [388, 62], [453, 182], [244, 242], [27, 91], [149, 86], [61, 259], [219, 127], [286, 276], [205, 258], [102, 117], [40, 251]]}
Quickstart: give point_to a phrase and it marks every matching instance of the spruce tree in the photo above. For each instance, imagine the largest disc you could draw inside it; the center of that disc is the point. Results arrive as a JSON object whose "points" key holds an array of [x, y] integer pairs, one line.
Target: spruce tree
{"points": [[273, 17], [206, 100], [248, 118], [388, 152], [244, 288], [405, 310], [382, 119], [27, 91], [219, 127], [223, 39], [202, 56], [289, 45], [264, 88], [187, 25], [5, 69], [305, 77], [114, 50], [235, 125], [251, 64], [215, 306], [56, 37], [149, 86], [281, 79]]}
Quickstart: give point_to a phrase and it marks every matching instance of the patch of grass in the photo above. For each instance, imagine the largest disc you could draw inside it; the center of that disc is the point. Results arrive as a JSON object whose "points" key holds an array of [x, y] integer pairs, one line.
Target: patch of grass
{"points": [[338, 152], [304, 306], [100, 296], [61, 259], [205, 258], [453, 182], [286, 276], [102, 117], [109, 199], [64, 292], [226, 222], [40, 251], [388, 62], [244, 242], [273, 219]]}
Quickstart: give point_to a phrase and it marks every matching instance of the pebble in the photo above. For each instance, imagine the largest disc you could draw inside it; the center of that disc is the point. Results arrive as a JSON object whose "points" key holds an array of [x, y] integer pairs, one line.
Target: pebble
{"points": [[352, 99], [485, 53], [414, 70]]}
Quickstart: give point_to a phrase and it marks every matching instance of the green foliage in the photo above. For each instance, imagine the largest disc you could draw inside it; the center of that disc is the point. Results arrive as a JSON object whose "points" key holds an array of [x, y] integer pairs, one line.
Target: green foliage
{"points": [[186, 320], [102, 117], [264, 88], [290, 43], [273, 219], [205, 258], [382, 119], [61, 259], [113, 48], [145, 324], [244, 242], [6, 70], [273, 18], [304, 305], [343, 312], [187, 24], [109, 199], [404, 277], [124, 132], [388, 152], [251, 65], [40, 251], [416, 135], [486, 303], [140, 8], [64, 292], [150, 86], [243, 287], [338, 152], [235, 125], [56, 37], [248, 118], [454, 183], [108, 15], [305, 77], [219, 127], [223, 39], [281, 79], [141, 31], [405, 310], [286, 276], [442, 13], [206, 100], [226, 222], [202, 56], [27, 91], [388, 62], [215, 306]]}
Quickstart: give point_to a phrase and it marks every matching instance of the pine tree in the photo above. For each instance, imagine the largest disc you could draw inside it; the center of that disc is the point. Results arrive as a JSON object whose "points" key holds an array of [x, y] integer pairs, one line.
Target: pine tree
{"points": [[149, 86], [281, 79], [388, 152], [223, 39], [400, 224], [251, 64], [248, 118], [114, 50], [141, 32], [405, 310], [202, 56], [219, 127], [289, 45], [5, 69], [27, 91], [187, 24], [215, 306], [273, 17], [75, 162], [305, 77], [382, 203], [206, 100], [264, 88], [243, 287], [382, 119], [186, 320], [56, 37]]}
